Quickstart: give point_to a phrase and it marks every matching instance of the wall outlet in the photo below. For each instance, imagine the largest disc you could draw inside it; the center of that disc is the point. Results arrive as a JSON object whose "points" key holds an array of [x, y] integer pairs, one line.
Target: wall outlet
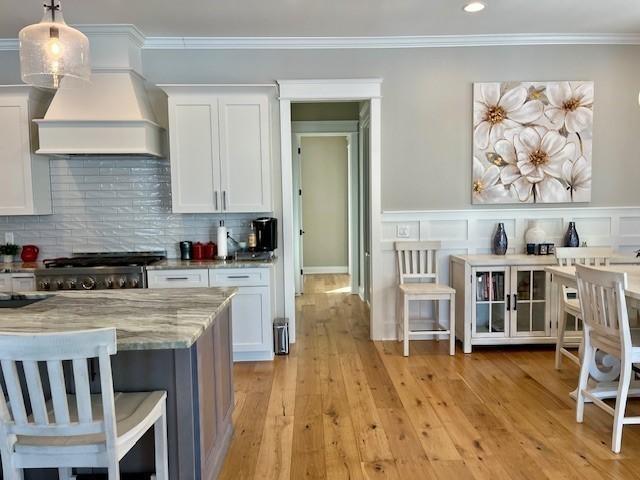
{"points": [[8, 237], [402, 231]]}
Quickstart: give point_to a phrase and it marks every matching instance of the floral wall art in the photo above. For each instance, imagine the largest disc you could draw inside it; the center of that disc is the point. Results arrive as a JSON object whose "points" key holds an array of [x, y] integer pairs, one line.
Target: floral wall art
{"points": [[532, 142]]}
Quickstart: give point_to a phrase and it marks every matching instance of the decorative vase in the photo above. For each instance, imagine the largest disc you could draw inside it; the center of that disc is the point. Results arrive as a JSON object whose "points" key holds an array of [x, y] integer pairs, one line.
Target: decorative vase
{"points": [[500, 241], [7, 258], [571, 238], [535, 234]]}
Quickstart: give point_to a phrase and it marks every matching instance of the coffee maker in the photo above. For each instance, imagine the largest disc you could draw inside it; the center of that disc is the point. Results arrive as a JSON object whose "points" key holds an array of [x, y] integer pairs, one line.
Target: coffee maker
{"points": [[266, 229]]}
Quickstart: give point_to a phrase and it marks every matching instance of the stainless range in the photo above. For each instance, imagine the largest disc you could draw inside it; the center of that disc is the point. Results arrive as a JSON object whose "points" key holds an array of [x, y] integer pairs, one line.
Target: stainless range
{"points": [[97, 271]]}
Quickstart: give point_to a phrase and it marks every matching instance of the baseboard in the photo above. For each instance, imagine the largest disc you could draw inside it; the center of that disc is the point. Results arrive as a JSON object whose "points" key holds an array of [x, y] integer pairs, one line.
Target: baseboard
{"points": [[325, 270], [260, 356]]}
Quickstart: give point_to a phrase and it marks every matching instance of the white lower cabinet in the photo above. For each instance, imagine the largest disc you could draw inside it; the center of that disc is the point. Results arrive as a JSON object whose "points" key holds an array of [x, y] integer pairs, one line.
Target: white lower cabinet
{"points": [[5, 283], [17, 282], [252, 308]]}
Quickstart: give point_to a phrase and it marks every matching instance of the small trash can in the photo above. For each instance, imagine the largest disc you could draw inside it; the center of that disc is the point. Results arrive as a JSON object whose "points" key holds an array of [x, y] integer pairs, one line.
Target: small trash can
{"points": [[281, 336]]}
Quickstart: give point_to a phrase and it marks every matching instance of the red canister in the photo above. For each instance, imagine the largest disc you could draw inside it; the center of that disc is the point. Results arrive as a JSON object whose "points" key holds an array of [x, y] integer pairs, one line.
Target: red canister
{"points": [[29, 253], [210, 251], [198, 251]]}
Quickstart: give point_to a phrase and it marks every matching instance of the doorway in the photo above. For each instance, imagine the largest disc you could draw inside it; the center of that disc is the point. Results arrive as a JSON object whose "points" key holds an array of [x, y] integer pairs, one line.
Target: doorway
{"points": [[367, 92], [327, 192]]}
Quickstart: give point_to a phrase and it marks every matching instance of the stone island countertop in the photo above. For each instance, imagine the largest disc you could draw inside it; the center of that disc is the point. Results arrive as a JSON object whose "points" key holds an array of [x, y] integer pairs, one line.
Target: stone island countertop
{"points": [[145, 319]]}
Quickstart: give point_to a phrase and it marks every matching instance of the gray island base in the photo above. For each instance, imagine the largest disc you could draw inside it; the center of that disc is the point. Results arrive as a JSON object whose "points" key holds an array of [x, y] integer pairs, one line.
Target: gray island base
{"points": [[173, 340]]}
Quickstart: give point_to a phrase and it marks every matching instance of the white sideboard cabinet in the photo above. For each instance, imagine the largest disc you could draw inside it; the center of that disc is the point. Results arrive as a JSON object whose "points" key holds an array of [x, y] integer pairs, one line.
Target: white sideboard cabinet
{"points": [[502, 300]]}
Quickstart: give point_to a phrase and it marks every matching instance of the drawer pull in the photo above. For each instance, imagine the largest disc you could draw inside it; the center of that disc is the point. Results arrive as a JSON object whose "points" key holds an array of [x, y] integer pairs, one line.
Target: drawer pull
{"points": [[177, 278], [237, 276]]}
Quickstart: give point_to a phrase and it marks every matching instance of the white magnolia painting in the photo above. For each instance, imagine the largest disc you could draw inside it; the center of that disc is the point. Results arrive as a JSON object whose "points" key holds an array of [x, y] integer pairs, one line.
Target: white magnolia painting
{"points": [[532, 142]]}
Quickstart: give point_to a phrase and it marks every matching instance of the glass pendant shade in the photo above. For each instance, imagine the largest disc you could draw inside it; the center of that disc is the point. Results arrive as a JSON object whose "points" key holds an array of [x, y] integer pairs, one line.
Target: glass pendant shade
{"points": [[51, 51]]}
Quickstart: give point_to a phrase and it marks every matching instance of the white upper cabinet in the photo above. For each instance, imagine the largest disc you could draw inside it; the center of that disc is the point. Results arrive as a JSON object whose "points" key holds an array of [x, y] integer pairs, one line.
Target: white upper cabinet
{"points": [[195, 156], [220, 144], [244, 153], [25, 184]]}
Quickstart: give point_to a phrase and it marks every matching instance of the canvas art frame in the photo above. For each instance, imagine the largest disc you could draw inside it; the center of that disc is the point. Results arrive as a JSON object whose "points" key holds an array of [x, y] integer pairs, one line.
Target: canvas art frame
{"points": [[532, 142]]}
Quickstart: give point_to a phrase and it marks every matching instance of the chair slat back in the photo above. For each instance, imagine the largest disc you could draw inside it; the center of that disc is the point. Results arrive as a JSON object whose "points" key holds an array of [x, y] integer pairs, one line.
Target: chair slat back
{"points": [[603, 303], [594, 256], [417, 261], [41, 359]]}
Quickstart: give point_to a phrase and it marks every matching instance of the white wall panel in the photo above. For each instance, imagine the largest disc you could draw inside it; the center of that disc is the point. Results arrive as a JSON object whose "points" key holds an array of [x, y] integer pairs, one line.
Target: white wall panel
{"points": [[471, 231]]}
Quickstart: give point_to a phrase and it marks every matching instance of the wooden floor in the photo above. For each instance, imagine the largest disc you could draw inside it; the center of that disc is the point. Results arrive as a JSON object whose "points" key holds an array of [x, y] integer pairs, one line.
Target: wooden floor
{"points": [[343, 407]]}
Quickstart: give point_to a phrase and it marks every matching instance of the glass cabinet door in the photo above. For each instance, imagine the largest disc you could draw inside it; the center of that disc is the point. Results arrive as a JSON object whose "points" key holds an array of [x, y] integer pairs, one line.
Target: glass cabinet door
{"points": [[490, 293], [528, 302]]}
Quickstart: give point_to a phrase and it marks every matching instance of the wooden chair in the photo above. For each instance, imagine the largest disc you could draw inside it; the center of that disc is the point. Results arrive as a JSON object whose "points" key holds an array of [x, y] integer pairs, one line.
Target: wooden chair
{"points": [[568, 256], [606, 328], [71, 430], [417, 264]]}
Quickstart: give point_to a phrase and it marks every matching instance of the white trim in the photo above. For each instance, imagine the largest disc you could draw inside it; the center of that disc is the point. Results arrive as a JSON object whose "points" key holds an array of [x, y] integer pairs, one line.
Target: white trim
{"points": [[325, 270], [331, 127], [325, 90], [418, 41], [133, 32], [310, 90], [296, 43]]}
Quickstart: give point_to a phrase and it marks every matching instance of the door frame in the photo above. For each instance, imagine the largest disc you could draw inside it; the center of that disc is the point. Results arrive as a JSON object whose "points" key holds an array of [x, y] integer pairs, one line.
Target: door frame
{"points": [[326, 91], [348, 130]]}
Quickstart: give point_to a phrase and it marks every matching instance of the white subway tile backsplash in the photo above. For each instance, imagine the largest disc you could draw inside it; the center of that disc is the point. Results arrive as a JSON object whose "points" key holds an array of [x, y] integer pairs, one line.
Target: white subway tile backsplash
{"points": [[105, 204]]}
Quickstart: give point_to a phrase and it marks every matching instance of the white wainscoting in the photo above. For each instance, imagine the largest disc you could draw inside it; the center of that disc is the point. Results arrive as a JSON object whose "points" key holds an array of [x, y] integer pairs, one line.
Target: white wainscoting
{"points": [[471, 231]]}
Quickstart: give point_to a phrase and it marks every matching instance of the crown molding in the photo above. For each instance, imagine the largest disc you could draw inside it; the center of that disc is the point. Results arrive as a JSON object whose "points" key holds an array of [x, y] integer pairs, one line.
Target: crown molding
{"points": [[134, 33], [293, 43], [426, 41]]}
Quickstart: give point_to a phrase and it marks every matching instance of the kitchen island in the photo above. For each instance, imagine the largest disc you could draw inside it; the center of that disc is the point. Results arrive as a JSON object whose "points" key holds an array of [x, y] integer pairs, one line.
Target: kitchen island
{"points": [[174, 340]]}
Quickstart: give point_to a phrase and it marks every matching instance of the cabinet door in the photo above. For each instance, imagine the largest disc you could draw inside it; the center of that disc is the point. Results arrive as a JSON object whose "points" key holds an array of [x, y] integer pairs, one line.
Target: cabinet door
{"points": [[195, 155], [251, 320], [489, 312], [5, 283], [528, 302], [16, 197], [245, 145], [23, 282]]}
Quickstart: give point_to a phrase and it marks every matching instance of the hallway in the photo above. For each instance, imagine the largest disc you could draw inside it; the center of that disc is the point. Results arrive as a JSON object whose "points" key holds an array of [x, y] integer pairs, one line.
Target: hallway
{"points": [[343, 407]]}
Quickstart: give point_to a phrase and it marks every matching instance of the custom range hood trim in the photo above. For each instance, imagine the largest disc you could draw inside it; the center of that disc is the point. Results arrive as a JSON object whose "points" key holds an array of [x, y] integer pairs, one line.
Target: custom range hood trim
{"points": [[112, 115]]}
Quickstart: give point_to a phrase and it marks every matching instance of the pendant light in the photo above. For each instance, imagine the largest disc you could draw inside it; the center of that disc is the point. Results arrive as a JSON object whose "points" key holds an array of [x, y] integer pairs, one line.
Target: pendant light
{"points": [[51, 50]]}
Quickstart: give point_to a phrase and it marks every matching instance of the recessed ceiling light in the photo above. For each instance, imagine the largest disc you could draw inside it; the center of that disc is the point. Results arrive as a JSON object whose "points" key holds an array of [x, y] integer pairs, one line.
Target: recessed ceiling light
{"points": [[474, 7]]}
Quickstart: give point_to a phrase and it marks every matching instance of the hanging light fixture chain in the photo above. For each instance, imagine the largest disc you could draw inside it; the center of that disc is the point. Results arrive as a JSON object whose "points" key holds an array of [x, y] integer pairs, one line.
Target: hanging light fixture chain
{"points": [[53, 8]]}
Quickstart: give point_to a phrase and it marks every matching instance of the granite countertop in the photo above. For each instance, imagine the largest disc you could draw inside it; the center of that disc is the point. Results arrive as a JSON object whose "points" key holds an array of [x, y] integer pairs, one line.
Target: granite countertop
{"points": [[145, 319], [20, 267], [175, 264]]}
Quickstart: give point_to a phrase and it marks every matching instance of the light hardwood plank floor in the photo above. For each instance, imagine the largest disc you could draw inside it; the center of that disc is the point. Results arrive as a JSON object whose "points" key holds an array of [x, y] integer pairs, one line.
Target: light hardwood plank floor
{"points": [[343, 407]]}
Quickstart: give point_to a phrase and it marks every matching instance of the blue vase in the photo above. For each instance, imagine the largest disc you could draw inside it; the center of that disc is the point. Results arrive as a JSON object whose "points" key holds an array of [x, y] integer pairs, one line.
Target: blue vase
{"points": [[500, 241], [571, 238]]}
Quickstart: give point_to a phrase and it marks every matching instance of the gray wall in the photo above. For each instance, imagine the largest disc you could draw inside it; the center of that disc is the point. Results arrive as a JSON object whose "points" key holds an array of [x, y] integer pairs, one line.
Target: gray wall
{"points": [[427, 104], [325, 111], [325, 201]]}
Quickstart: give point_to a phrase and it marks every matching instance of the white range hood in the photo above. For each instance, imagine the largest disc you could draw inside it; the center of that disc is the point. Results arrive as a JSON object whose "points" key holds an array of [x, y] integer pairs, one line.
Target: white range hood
{"points": [[111, 115]]}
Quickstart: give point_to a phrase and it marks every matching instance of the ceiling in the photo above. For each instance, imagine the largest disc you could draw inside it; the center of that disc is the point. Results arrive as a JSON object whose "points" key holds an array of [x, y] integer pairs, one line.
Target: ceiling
{"points": [[217, 18]]}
